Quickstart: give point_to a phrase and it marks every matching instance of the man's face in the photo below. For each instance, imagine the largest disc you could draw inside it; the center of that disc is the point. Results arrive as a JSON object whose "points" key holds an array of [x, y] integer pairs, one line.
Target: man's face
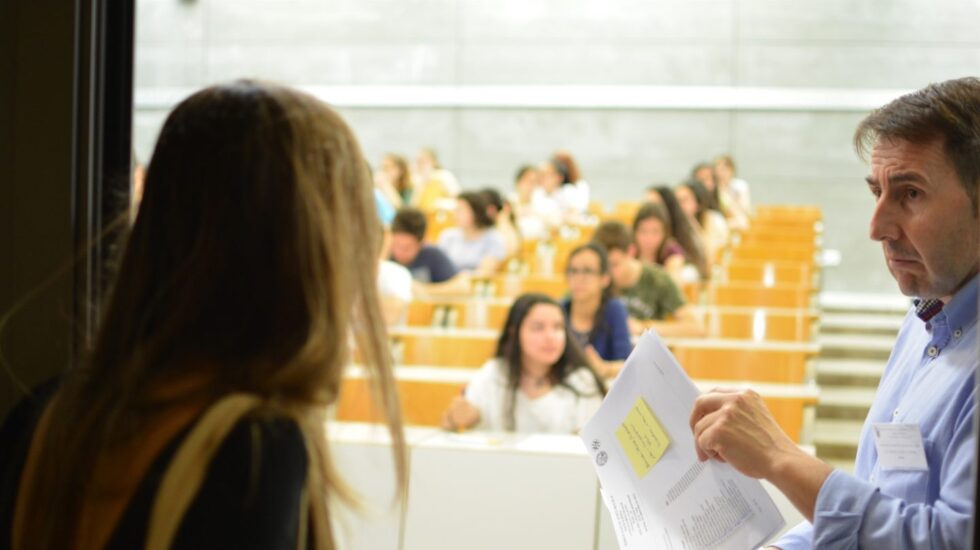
{"points": [[619, 268], [923, 218], [404, 248]]}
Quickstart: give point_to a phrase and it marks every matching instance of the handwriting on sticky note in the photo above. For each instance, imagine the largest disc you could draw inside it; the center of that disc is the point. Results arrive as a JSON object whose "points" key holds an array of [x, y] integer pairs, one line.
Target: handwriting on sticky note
{"points": [[642, 437]]}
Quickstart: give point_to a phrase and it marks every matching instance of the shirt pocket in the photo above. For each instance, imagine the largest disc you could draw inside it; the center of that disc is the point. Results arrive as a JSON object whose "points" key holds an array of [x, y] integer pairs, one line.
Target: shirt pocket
{"points": [[912, 486]]}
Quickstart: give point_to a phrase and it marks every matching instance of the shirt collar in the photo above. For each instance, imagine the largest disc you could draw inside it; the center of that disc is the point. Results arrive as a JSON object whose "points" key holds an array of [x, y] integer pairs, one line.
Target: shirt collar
{"points": [[961, 311]]}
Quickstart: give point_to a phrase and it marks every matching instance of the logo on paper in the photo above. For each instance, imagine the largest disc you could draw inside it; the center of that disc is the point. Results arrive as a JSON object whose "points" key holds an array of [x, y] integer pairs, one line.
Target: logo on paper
{"points": [[601, 458], [595, 445]]}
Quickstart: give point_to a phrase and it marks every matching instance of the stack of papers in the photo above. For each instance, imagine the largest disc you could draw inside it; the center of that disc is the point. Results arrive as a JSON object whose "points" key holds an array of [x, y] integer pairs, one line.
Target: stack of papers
{"points": [[657, 491]]}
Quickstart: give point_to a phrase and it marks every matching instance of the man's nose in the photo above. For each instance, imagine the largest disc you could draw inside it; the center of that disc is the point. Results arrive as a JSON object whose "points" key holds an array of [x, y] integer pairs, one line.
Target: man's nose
{"points": [[884, 221]]}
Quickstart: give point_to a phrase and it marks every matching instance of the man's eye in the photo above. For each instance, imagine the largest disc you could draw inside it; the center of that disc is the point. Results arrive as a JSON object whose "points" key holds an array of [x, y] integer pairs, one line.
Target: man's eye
{"points": [[912, 193]]}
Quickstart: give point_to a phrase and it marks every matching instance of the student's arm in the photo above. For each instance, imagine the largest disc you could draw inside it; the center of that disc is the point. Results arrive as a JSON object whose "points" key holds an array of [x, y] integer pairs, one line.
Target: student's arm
{"points": [[620, 344], [674, 265], [495, 254], [616, 316], [685, 323], [469, 409], [460, 415], [460, 285], [605, 369]]}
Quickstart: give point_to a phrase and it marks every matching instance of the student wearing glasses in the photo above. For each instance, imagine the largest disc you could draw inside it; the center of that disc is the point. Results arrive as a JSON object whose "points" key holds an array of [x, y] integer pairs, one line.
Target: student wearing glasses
{"points": [[596, 320]]}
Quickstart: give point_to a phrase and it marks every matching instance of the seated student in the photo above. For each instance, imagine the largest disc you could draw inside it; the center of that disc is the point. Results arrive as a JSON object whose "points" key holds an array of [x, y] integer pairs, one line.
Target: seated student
{"points": [[596, 319], [502, 215], [427, 263], [536, 214], [683, 232], [196, 421], [650, 295], [431, 182], [562, 183], [394, 180], [654, 243], [539, 380], [733, 193], [474, 244], [394, 285], [709, 223]]}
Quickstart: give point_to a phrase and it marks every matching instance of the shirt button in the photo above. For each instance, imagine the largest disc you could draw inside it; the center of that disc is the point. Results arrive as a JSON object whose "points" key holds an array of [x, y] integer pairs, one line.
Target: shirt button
{"points": [[957, 333], [895, 413], [932, 351]]}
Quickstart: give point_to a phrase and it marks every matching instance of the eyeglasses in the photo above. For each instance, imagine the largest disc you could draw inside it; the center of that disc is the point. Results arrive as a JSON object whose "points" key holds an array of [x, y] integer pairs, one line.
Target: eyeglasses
{"points": [[573, 272]]}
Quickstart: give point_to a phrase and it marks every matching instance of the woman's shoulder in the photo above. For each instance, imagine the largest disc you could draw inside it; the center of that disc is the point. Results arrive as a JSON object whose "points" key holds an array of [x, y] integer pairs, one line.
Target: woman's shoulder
{"points": [[492, 374], [450, 234], [615, 306]]}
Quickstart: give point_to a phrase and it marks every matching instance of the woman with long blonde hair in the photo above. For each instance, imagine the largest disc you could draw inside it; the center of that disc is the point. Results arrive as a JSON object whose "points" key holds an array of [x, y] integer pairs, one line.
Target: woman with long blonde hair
{"points": [[198, 418]]}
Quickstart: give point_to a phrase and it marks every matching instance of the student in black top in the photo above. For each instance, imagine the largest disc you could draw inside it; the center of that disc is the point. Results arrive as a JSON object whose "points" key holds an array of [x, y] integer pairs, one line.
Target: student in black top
{"points": [[427, 263], [220, 348]]}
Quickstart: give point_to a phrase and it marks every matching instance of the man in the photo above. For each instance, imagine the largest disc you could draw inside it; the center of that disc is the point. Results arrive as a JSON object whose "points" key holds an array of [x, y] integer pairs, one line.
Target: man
{"points": [[650, 295], [925, 169], [433, 272], [427, 263]]}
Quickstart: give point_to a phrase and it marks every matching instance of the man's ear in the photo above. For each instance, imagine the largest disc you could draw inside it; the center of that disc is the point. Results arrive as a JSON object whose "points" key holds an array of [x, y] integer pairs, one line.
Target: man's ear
{"points": [[631, 250]]}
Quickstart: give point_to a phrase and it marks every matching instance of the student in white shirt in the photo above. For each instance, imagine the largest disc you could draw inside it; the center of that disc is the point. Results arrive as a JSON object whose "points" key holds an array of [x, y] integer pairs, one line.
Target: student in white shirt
{"points": [[697, 203], [562, 182], [733, 193], [539, 380]]}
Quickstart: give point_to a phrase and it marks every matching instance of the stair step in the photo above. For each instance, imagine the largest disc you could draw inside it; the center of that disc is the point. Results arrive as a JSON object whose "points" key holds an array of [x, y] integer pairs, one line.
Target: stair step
{"points": [[848, 369], [831, 396], [851, 302], [844, 403], [852, 323], [837, 432], [865, 346]]}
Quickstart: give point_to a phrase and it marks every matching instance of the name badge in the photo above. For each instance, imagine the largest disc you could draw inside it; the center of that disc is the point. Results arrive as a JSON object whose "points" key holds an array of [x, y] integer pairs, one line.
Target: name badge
{"points": [[899, 446]]}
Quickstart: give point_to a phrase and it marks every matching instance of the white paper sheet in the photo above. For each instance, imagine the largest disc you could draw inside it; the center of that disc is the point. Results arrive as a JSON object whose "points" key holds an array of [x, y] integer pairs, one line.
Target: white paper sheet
{"points": [[674, 501]]}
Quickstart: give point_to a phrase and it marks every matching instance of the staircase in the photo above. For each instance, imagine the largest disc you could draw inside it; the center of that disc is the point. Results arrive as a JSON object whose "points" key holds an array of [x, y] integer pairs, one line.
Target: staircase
{"points": [[857, 333]]}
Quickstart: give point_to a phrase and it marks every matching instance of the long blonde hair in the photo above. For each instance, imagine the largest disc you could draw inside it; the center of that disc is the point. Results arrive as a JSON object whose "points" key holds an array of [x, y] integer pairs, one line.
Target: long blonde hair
{"points": [[251, 255]]}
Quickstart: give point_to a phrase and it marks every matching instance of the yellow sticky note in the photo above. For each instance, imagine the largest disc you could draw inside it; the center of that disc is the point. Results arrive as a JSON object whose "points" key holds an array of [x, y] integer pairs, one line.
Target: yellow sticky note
{"points": [[642, 437]]}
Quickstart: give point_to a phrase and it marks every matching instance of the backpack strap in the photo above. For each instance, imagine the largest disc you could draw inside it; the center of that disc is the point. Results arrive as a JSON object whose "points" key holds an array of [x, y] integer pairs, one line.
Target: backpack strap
{"points": [[185, 473]]}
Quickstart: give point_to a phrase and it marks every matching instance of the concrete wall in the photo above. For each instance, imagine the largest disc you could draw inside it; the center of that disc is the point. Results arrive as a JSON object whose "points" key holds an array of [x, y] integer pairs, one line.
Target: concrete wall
{"points": [[799, 155]]}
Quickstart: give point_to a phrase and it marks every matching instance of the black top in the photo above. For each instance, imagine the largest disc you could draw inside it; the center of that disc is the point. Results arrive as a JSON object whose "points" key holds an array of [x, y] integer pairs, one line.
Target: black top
{"points": [[431, 265], [250, 497]]}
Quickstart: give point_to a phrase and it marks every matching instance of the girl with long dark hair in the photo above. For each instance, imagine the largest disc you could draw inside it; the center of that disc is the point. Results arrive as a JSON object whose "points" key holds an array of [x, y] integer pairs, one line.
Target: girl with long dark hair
{"points": [[681, 230], [539, 380], [597, 320]]}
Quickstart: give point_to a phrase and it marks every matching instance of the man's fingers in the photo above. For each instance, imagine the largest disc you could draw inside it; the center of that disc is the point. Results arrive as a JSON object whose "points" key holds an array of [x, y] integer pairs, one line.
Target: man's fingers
{"points": [[704, 424], [706, 404]]}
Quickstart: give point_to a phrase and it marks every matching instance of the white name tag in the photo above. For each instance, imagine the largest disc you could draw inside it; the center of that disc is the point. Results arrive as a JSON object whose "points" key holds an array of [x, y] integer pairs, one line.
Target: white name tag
{"points": [[899, 446]]}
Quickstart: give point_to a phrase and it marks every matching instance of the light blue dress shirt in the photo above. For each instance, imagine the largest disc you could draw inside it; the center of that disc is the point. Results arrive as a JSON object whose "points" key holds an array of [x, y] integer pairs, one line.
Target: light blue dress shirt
{"points": [[929, 381]]}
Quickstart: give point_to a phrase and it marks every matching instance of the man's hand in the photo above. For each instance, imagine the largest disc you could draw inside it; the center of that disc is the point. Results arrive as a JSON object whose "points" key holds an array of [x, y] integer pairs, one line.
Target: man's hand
{"points": [[736, 427]]}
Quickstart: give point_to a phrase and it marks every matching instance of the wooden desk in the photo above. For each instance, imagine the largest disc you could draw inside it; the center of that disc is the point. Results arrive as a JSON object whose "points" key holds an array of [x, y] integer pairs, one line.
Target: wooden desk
{"points": [[760, 295], [426, 392], [767, 273], [729, 359], [759, 324]]}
